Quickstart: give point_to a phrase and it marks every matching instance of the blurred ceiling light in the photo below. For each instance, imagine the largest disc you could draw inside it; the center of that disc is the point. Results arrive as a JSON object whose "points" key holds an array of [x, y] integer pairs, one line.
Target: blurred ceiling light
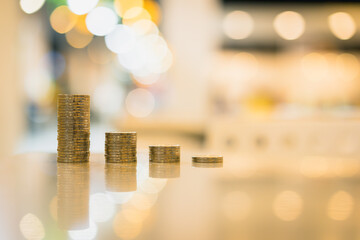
{"points": [[101, 21], [289, 25], [342, 25], [236, 205], [108, 98], [145, 27], [98, 53], [81, 7], [154, 9], [62, 19], [31, 227], [89, 233], [238, 25], [314, 66], [121, 39], [121, 6], [340, 206], [31, 6], [135, 14], [140, 103], [77, 39], [101, 208], [347, 66], [288, 206]]}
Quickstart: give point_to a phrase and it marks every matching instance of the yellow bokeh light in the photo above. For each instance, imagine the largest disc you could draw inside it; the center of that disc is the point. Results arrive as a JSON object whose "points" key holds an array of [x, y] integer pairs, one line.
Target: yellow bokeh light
{"points": [[347, 66], [314, 167], [342, 25], [125, 229], [31, 227], [78, 39], [238, 25], [81, 25], [133, 15], [122, 6], [340, 206], [289, 25], [62, 19], [314, 66], [288, 206], [154, 10]]}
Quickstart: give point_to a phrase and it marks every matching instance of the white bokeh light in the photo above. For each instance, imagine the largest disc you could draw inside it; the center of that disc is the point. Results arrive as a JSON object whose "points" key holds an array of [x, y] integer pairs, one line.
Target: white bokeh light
{"points": [[108, 98], [121, 40], [238, 25], [342, 25], [140, 102], [88, 234], [101, 21], [289, 25], [120, 197], [31, 6], [31, 227], [145, 27], [81, 7], [101, 207]]}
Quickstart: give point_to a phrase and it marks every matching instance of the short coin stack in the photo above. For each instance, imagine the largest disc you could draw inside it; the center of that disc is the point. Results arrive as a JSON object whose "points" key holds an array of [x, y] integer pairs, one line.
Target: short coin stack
{"points": [[120, 147], [164, 153], [73, 114], [208, 159]]}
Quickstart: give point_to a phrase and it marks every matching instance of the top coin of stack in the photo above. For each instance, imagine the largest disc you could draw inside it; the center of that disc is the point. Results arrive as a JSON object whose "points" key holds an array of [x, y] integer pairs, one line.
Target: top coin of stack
{"points": [[164, 153], [73, 128], [120, 147]]}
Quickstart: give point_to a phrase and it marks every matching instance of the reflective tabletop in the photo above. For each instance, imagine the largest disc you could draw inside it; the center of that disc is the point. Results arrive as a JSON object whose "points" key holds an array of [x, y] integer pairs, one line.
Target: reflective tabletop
{"points": [[246, 197]]}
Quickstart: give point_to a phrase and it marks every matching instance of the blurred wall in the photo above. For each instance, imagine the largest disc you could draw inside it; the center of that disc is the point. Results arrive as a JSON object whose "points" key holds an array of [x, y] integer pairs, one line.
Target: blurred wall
{"points": [[10, 94]]}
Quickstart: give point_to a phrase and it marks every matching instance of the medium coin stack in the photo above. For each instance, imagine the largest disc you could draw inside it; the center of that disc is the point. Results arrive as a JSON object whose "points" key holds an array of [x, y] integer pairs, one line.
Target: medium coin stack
{"points": [[120, 147], [120, 177], [164, 170], [73, 128], [207, 159], [164, 153]]}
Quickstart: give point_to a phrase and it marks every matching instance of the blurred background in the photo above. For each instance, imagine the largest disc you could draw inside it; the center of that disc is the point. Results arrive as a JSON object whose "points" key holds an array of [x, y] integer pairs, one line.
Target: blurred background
{"points": [[226, 75]]}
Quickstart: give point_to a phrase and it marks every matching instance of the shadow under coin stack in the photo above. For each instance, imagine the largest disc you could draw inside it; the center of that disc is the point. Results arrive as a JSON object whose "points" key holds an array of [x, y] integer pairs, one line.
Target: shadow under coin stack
{"points": [[73, 128], [164, 153], [120, 147]]}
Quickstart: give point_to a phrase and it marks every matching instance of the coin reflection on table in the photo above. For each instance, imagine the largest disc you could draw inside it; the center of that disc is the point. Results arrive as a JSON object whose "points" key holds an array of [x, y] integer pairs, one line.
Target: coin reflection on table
{"points": [[120, 177], [207, 165], [164, 170], [73, 195]]}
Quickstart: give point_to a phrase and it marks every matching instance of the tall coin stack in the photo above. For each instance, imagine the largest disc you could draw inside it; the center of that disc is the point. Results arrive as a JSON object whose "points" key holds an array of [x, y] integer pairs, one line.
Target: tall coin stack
{"points": [[164, 153], [73, 128], [120, 147]]}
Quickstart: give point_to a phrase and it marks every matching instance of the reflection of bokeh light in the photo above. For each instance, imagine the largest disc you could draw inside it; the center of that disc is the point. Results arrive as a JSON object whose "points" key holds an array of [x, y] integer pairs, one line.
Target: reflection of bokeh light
{"points": [[31, 227], [108, 98], [145, 27], [140, 102], [236, 205], [120, 197], [238, 25], [101, 21], [314, 66], [340, 206], [121, 6], [101, 208], [314, 166], [153, 185], [62, 19], [143, 201], [289, 25], [347, 66], [287, 205], [81, 7], [31, 6], [342, 25], [88, 234], [98, 52], [121, 39], [154, 9], [77, 39], [125, 229], [147, 80], [135, 14]]}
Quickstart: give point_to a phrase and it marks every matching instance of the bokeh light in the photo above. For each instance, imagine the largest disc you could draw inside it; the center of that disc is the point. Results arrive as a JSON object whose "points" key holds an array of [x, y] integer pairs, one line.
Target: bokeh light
{"points": [[289, 25], [81, 7], [101, 208], [145, 27], [236, 205], [121, 40], [62, 19], [88, 234], [121, 6], [288, 205], [125, 229], [140, 103], [147, 80], [31, 227], [314, 66], [347, 66], [108, 98], [238, 25], [342, 25], [31, 6], [101, 21], [135, 14], [154, 9], [77, 39], [340, 206]]}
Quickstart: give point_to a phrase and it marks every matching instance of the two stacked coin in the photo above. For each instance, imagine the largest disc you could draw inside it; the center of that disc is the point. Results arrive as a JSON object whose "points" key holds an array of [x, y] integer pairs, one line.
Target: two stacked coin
{"points": [[120, 147], [73, 114], [164, 153]]}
